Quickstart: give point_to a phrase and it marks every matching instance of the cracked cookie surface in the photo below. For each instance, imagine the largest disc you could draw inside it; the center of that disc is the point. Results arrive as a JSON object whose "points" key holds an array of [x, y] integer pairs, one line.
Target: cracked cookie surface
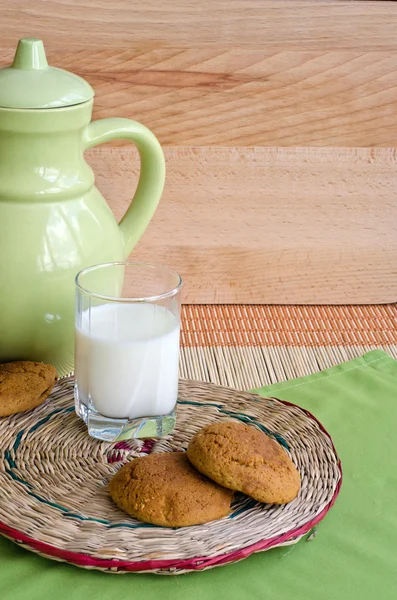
{"points": [[24, 385], [165, 489], [245, 459]]}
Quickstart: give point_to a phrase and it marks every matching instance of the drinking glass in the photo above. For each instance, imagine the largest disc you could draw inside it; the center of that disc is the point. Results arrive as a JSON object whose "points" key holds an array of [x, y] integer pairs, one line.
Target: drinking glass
{"points": [[127, 349]]}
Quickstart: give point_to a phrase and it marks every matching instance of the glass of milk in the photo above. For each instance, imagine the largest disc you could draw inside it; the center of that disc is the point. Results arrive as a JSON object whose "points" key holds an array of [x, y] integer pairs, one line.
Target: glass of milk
{"points": [[127, 349]]}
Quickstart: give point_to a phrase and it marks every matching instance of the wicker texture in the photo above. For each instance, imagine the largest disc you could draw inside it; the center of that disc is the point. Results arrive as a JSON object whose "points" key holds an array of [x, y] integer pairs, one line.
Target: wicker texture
{"points": [[246, 347], [264, 325], [55, 501]]}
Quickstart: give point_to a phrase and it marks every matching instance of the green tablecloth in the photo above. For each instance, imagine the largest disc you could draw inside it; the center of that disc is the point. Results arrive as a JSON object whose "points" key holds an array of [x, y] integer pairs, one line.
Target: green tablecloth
{"points": [[354, 554]]}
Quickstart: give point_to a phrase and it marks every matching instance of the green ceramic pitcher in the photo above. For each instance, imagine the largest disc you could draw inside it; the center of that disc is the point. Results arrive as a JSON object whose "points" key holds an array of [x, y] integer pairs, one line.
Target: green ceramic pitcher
{"points": [[53, 221]]}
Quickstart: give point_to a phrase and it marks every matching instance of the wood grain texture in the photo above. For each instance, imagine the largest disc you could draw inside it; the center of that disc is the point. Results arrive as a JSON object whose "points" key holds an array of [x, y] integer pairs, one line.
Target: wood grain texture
{"points": [[215, 78], [268, 225], [228, 72], [248, 97], [100, 24]]}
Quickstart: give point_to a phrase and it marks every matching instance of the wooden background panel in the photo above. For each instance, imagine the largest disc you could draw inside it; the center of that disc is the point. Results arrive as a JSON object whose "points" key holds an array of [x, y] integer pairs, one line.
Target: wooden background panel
{"points": [[246, 224], [291, 24], [248, 97], [269, 225], [235, 73]]}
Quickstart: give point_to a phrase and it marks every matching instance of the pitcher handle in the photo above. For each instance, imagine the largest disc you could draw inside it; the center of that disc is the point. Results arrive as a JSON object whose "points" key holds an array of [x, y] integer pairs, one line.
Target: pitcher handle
{"points": [[152, 174]]}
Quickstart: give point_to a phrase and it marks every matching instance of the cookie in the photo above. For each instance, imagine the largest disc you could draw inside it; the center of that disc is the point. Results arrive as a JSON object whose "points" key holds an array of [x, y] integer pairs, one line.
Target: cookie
{"points": [[242, 458], [165, 489], [24, 385]]}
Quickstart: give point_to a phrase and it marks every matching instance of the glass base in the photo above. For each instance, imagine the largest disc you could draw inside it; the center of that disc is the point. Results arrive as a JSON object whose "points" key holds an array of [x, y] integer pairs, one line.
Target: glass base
{"points": [[117, 430]]}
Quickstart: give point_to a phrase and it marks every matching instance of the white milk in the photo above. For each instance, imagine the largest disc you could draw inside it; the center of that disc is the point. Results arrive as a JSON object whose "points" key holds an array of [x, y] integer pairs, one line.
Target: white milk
{"points": [[127, 359]]}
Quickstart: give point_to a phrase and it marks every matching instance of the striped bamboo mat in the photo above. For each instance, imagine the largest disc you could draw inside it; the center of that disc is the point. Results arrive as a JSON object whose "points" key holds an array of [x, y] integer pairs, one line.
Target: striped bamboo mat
{"points": [[246, 346]]}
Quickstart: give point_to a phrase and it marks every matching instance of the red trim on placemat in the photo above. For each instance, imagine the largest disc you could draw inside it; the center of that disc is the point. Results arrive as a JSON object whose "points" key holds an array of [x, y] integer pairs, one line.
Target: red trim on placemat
{"points": [[194, 564]]}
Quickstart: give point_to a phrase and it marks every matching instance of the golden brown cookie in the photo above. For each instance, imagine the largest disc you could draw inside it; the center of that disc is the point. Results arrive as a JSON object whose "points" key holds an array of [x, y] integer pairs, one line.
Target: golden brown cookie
{"points": [[164, 489], [24, 385], [242, 458]]}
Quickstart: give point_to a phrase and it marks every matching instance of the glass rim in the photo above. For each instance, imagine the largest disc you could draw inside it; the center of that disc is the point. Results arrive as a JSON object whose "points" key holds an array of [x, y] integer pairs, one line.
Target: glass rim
{"points": [[168, 294]]}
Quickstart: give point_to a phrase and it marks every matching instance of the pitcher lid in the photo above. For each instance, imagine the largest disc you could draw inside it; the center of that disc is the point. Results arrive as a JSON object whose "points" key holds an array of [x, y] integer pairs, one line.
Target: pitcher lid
{"points": [[30, 83]]}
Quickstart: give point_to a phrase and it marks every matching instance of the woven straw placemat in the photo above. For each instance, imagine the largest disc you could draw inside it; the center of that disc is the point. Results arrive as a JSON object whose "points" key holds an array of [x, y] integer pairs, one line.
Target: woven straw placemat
{"points": [[248, 346], [55, 501]]}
